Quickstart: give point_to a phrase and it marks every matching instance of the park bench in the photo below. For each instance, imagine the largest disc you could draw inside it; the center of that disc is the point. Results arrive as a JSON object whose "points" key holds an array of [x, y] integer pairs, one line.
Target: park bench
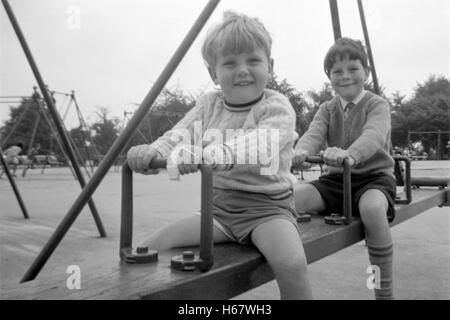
{"points": [[231, 269], [42, 160]]}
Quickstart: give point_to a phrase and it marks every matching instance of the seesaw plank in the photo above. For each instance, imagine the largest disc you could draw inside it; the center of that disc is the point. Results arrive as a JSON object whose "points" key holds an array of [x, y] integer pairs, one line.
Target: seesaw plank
{"points": [[236, 268]]}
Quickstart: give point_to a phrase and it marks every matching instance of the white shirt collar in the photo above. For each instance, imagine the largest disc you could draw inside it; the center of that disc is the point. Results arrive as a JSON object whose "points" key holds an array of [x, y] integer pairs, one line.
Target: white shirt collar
{"points": [[355, 101]]}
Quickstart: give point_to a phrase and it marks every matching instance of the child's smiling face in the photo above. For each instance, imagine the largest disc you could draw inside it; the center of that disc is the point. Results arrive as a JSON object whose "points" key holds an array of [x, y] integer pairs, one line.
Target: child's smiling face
{"points": [[348, 77], [242, 76]]}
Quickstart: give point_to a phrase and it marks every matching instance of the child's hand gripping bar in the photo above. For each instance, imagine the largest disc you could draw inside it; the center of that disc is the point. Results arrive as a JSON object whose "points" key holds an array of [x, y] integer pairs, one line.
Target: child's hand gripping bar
{"points": [[334, 218], [187, 261]]}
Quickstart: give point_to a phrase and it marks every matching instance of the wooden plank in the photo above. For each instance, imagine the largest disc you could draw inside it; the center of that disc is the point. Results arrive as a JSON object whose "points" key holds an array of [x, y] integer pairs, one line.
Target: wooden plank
{"points": [[236, 268]]}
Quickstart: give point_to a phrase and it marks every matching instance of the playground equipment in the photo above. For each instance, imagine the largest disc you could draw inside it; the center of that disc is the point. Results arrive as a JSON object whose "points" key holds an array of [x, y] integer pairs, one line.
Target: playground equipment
{"points": [[188, 260], [219, 271], [236, 268], [85, 129], [53, 111], [119, 144]]}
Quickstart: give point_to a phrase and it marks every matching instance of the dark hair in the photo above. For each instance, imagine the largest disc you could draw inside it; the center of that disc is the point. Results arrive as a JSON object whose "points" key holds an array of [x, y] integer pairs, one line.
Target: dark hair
{"points": [[345, 48]]}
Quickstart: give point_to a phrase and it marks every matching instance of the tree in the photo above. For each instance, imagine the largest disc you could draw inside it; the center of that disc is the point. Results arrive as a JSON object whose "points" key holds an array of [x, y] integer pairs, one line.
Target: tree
{"points": [[171, 107], [167, 110], [82, 143], [301, 106], [321, 96], [21, 124], [105, 131], [427, 110], [369, 86]]}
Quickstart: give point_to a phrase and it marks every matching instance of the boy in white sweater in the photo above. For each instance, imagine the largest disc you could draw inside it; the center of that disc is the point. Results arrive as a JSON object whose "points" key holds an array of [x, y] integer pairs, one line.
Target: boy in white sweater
{"points": [[246, 133]]}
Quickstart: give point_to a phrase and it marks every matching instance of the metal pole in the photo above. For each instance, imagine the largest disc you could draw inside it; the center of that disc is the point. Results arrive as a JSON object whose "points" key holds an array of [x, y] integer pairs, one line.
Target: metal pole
{"points": [[33, 135], [369, 49], [126, 222], [439, 146], [53, 111], [347, 186], [335, 19], [30, 145], [206, 223], [84, 126], [14, 186], [49, 123], [120, 142]]}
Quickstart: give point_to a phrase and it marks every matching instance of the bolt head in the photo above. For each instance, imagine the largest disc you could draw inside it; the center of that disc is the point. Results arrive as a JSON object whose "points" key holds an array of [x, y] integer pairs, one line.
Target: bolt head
{"points": [[188, 255], [142, 249]]}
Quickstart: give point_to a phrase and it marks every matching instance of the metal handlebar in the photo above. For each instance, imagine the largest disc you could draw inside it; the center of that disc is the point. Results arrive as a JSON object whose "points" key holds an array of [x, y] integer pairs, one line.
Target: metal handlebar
{"points": [[407, 179], [346, 218], [187, 261]]}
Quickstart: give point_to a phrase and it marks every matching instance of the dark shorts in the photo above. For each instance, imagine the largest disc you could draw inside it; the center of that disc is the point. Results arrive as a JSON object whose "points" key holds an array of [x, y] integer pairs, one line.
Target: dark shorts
{"points": [[330, 188], [238, 213]]}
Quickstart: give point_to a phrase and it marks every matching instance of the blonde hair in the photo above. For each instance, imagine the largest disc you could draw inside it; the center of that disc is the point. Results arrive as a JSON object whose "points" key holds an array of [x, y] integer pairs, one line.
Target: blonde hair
{"points": [[236, 34]]}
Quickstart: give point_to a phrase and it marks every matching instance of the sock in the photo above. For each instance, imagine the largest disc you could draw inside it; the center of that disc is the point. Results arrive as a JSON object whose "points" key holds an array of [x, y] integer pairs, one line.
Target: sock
{"points": [[382, 256]]}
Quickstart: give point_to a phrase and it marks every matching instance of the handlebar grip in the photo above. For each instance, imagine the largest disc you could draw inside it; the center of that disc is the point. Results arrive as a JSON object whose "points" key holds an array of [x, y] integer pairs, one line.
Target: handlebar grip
{"points": [[158, 163], [319, 160], [314, 159]]}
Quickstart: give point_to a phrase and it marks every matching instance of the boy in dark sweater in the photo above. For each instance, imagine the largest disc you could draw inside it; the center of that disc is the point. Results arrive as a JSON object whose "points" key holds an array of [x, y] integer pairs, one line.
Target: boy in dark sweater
{"points": [[356, 125]]}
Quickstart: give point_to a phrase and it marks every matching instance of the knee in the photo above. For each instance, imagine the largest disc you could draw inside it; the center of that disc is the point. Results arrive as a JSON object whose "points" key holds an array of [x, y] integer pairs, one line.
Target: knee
{"points": [[305, 198], [291, 265], [371, 210]]}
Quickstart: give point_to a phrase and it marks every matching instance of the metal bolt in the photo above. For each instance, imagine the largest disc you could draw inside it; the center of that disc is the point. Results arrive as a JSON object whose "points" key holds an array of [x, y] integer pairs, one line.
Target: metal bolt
{"points": [[142, 250], [188, 255]]}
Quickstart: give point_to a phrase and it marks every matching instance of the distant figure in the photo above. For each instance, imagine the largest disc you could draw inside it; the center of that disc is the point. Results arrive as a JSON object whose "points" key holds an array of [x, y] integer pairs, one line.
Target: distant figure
{"points": [[32, 155], [354, 125], [433, 153], [397, 151], [406, 152], [12, 157]]}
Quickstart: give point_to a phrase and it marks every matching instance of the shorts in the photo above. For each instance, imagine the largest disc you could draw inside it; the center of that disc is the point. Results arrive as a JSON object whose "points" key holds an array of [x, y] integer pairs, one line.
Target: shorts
{"points": [[331, 188], [238, 213]]}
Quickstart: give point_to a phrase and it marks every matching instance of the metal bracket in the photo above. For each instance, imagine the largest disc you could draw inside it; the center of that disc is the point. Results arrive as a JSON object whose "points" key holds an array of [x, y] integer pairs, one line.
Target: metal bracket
{"points": [[188, 261], [446, 202], [336, 219], [303, 217], [127, 253], [138, 255], [403, 180]]}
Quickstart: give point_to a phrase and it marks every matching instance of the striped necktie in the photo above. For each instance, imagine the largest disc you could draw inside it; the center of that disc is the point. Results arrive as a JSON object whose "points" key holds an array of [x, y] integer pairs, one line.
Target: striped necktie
{"points": [[348, 108]]}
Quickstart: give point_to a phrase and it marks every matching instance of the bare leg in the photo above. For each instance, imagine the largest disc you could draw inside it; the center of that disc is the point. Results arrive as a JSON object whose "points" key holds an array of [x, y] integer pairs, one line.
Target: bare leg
{"points": [[373, 206], [182, 233], [279, 241], [308, 198]]}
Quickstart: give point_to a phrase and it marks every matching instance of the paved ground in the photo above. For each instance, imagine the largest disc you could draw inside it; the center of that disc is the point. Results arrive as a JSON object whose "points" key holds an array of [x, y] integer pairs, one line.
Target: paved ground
{"points": [[422, 244]]}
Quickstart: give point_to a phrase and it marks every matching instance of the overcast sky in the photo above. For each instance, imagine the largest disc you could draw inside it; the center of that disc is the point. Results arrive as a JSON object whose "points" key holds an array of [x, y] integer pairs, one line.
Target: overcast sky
{"points": [[111, 51]]}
